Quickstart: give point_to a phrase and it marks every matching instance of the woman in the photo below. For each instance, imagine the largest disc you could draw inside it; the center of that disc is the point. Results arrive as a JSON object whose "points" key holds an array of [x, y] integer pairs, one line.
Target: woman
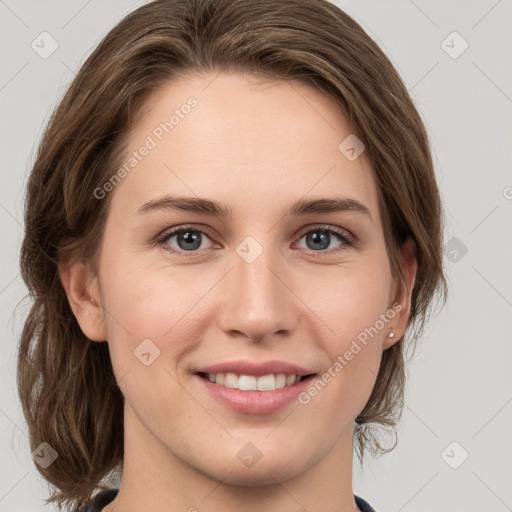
{"points": [[232, 227]]}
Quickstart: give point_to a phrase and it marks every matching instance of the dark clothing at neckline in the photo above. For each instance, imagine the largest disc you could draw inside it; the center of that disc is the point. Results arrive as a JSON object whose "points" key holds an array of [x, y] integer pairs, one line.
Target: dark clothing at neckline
{"points": [[103, 498]]}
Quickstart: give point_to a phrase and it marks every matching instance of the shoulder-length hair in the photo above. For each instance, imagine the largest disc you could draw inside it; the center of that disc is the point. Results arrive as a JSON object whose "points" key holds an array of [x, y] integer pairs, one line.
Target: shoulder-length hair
{"points": [[66, 383]]}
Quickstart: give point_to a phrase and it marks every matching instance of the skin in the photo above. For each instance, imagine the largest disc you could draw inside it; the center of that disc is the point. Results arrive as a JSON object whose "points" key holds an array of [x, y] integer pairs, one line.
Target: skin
{"points": [[257, 147]]}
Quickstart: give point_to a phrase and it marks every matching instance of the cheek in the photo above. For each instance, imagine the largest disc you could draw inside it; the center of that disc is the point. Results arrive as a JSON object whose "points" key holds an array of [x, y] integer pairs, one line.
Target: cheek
{"points": [[354, 303], [357, 311], [161, 304], [149, 331]]}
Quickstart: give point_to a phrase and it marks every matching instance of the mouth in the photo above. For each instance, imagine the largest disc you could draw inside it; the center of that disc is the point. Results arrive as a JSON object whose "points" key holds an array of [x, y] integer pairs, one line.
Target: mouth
{"points": [[254, 388], [269, 382]]}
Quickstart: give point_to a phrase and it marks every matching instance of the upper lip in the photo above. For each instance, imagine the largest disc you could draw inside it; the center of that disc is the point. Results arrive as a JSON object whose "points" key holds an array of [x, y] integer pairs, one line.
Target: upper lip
{"points": [[257, 369]]}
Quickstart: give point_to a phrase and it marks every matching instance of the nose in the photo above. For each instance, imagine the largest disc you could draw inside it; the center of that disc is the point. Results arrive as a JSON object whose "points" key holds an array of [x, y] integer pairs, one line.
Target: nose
{"points": [[257, 300]]}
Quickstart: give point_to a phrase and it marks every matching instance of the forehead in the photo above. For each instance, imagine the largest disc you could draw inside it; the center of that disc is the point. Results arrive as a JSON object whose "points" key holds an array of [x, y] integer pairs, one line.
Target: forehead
{"points": [[244, 140]]}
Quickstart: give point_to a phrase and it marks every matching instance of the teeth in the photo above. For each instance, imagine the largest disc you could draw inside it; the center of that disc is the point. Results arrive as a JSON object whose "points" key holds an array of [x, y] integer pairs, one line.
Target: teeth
{"points": [[280, 380], [290, 380], [247, 383], [265, 383], [251, 383], [231, 380]]}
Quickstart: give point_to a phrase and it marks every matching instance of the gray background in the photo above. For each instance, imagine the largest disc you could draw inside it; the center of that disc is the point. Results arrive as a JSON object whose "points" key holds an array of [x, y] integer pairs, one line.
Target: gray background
{"points": [[459, 389]]}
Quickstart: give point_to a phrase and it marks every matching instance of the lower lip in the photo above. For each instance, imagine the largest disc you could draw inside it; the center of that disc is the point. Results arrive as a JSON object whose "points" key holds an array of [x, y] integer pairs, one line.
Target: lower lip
{"points": [[255, 402]]}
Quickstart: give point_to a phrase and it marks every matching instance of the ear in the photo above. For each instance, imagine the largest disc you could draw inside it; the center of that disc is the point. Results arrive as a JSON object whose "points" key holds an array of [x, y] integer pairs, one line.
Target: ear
{"points": [[82, 290], [403, 292]]}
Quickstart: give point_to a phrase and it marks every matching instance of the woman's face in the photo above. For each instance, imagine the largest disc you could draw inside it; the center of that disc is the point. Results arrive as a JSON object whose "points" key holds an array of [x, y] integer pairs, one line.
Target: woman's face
{"points": [[258, 284]]}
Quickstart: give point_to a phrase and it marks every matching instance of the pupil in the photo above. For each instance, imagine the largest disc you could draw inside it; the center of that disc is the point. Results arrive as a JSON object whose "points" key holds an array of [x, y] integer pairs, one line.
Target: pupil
{"points": [[188, 238], [320, 239]]}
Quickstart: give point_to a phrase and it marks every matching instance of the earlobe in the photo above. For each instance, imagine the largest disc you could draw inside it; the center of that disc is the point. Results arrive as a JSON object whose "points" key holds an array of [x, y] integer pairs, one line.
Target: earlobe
{"points": [[82, 291], [404, 292]]}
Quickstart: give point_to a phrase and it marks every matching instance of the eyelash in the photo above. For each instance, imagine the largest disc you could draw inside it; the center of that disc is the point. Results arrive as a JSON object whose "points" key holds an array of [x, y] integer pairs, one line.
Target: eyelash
{"points": [[346, 238]]}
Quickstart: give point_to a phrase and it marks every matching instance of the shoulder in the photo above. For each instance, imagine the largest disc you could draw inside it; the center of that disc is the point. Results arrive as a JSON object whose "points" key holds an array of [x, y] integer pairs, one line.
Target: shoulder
{"points": [[364, 505], [101, 500]]}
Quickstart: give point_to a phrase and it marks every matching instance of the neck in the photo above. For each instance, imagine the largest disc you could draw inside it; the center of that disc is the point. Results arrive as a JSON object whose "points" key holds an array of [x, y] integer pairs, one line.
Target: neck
{"points": [[168, 483]]}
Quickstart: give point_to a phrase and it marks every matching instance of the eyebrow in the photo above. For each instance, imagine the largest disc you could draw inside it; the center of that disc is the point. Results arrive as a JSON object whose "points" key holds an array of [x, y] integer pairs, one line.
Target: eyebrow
{"points": [[209, 207]]}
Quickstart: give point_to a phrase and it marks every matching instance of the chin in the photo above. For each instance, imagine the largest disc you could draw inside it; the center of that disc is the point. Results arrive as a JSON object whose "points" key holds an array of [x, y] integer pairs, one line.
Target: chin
{"points": [[260, 475]]}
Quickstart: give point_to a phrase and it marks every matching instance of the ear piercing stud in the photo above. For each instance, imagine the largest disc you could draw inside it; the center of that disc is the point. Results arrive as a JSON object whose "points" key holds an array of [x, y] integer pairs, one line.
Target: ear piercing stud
{"points": [[391, 334]]}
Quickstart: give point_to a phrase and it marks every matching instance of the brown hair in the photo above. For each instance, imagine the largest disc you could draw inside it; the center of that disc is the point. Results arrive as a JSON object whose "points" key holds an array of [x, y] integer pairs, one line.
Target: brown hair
{"points": [[66, 384]]}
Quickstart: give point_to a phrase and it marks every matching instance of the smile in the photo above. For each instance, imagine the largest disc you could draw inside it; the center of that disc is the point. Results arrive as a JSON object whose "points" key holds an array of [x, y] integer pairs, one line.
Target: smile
{"points": [[269, 382]]}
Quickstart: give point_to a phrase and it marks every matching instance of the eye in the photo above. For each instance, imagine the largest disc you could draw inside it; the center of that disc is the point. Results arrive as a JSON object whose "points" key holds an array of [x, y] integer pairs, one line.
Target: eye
{"points": [[187, 239], [320, 237]]}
